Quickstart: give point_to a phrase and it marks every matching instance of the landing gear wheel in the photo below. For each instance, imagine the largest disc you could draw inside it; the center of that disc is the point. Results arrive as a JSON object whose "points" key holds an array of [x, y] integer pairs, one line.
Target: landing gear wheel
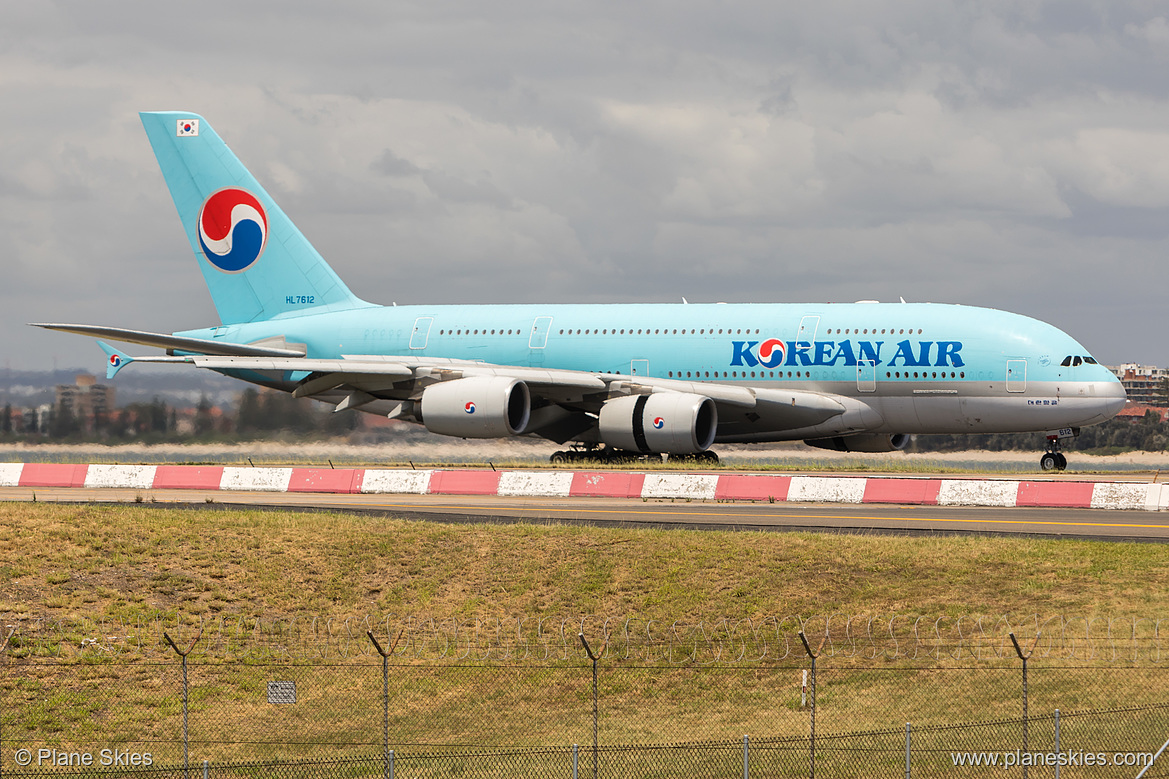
{"points": [[708, 457], [1054, 459], [559, 458]]}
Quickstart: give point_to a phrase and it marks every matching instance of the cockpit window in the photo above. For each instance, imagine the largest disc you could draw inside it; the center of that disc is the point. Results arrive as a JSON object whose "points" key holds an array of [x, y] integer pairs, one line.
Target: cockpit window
{"points": [[1067, 361], [1077, 361], [1091, 360]]}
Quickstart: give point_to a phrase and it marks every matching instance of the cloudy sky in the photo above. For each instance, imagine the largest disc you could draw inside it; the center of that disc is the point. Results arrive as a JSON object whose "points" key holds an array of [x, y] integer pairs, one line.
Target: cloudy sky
{"points": [[1007, 154]]}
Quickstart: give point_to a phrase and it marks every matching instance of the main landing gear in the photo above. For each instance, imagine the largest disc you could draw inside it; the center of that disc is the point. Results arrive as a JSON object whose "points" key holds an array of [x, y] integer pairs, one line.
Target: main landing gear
{"points": [[1053, 459], [601, 454], [606, 454]]}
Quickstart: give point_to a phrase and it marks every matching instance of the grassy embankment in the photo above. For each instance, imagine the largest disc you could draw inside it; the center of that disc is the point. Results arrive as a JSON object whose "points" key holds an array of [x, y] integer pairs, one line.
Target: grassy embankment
{"points": [[82, 563]]}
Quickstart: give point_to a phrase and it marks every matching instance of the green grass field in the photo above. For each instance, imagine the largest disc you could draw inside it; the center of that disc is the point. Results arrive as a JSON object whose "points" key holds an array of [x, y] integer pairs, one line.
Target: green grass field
{"points": [[80, 564]]}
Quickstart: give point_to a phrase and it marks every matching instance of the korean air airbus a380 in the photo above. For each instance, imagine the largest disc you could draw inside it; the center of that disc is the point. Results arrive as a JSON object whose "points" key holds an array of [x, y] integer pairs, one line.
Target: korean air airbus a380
{"points": [[615, 380]]}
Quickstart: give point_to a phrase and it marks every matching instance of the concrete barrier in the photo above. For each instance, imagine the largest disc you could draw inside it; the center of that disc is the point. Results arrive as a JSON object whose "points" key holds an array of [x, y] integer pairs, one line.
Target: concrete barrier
{"points": [[691, 486], [826, 489], [556, 484], [335, 480], [188, 477], [400, 482], [53, 475], [967, 492], [256, 479], [10, 474], [464, 483], [601, 484], [140, 477]]}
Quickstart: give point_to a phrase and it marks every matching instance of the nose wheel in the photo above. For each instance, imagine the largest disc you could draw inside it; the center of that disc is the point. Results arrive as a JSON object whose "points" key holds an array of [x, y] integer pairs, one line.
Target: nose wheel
{"points": [[1054, 460]]}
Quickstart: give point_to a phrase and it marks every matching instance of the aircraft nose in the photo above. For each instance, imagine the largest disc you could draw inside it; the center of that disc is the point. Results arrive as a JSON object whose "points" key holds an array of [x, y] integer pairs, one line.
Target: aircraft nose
{"points": [[1112, 398]]}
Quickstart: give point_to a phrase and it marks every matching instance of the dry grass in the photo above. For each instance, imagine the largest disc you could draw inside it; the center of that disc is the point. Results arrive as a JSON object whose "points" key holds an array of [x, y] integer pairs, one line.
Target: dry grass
{"points": [[81, 562], [85, 561]]}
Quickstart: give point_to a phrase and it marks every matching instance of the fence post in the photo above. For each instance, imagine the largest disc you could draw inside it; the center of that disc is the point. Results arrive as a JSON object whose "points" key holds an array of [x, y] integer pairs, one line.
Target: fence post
{"points": [[387, 759], [813, 655], [575, 759], [746, 759], [594, 658], [4, 667], [907, 774], [186, 734], [1025, 656], [1057, 743]]}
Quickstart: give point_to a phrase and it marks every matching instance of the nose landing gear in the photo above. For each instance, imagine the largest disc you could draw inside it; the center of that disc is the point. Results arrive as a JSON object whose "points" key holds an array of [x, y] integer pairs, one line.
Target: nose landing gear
{"points": [[1054, 460]]}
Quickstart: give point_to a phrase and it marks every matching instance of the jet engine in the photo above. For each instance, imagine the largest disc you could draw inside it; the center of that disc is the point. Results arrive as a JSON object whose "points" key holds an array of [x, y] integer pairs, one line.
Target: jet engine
{"points": [[864, 442], [670, 422], [477, 407]]}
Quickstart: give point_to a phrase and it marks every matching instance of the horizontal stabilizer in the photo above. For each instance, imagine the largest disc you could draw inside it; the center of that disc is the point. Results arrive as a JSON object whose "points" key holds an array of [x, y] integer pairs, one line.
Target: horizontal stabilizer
{"points": [[115, 359], [175, 342]]}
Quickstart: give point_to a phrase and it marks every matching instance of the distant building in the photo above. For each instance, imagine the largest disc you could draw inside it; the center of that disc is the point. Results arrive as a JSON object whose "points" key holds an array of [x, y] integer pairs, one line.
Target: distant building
{"points": [[1145, 384], [85, 399], [1135, 412]]}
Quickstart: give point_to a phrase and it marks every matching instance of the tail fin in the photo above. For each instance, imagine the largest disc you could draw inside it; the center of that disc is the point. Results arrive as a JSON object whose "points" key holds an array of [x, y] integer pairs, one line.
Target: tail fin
{"points": [[257, 265]]}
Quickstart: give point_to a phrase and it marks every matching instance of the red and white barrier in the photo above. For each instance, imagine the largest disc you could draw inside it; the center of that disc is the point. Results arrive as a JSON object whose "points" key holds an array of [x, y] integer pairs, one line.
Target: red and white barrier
{"points": [[1007, 493]]}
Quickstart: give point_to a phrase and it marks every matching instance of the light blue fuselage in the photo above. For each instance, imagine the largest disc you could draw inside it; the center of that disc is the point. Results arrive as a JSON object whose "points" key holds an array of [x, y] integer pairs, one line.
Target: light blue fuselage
{"points": [[920, 367]]}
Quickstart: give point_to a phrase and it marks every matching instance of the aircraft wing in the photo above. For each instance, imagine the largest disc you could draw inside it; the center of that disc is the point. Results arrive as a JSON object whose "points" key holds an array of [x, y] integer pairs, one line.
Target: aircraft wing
{"points": [[564, 402], [175, 343], [359, 380]]}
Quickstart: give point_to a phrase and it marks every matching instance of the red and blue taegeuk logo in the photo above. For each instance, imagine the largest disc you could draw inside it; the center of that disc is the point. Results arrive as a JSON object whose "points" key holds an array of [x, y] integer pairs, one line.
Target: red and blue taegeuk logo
{"points": [[233, 229], [470, 407], [772, 353], [659, 423]]}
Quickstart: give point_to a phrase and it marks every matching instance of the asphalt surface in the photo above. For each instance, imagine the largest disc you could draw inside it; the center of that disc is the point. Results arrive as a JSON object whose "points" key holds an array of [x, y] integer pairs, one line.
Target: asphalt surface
{"points": [[1145, 526]]}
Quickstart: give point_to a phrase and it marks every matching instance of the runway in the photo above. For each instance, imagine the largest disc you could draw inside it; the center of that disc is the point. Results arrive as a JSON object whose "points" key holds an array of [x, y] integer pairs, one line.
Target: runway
{"points": [[760, 516]]}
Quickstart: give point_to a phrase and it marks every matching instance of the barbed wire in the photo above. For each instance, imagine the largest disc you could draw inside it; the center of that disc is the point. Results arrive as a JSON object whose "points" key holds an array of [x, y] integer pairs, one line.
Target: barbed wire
{"points": [[468, 640]]}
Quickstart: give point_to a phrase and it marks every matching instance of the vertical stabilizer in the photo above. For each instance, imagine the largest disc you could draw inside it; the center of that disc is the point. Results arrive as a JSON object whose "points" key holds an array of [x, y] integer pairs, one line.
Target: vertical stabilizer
{"points": [[257, 265]]}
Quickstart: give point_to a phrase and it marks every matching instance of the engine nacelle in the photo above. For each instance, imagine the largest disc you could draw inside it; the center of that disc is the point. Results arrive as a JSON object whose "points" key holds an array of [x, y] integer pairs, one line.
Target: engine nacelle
{"points": [[669, 422], [864, 442], [477, 407]]}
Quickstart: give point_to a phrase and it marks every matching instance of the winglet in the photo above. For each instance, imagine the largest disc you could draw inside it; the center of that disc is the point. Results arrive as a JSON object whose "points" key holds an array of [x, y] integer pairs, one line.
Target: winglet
{"points": [[115, 359]]}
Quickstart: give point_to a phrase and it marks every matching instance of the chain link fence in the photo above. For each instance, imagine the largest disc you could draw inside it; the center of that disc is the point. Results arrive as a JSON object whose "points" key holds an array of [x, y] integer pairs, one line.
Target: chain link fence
{"points": [[830, 710]]}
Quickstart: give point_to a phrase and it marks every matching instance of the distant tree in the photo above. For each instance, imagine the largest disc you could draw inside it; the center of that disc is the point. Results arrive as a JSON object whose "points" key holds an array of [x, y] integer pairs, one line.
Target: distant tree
{"points": [[248, 416], [158, 416], [119, 424], [6, 419], [63, 423], [204, 422], [341, 422]]}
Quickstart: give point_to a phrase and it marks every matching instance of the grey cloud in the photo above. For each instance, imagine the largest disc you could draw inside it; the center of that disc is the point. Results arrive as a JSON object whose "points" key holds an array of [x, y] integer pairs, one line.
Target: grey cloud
{"points": [[469, 152]]}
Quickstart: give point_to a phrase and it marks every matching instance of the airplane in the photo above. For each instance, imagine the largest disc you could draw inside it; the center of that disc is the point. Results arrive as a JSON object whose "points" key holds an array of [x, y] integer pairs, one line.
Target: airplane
{"points": [[609, 381]]}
